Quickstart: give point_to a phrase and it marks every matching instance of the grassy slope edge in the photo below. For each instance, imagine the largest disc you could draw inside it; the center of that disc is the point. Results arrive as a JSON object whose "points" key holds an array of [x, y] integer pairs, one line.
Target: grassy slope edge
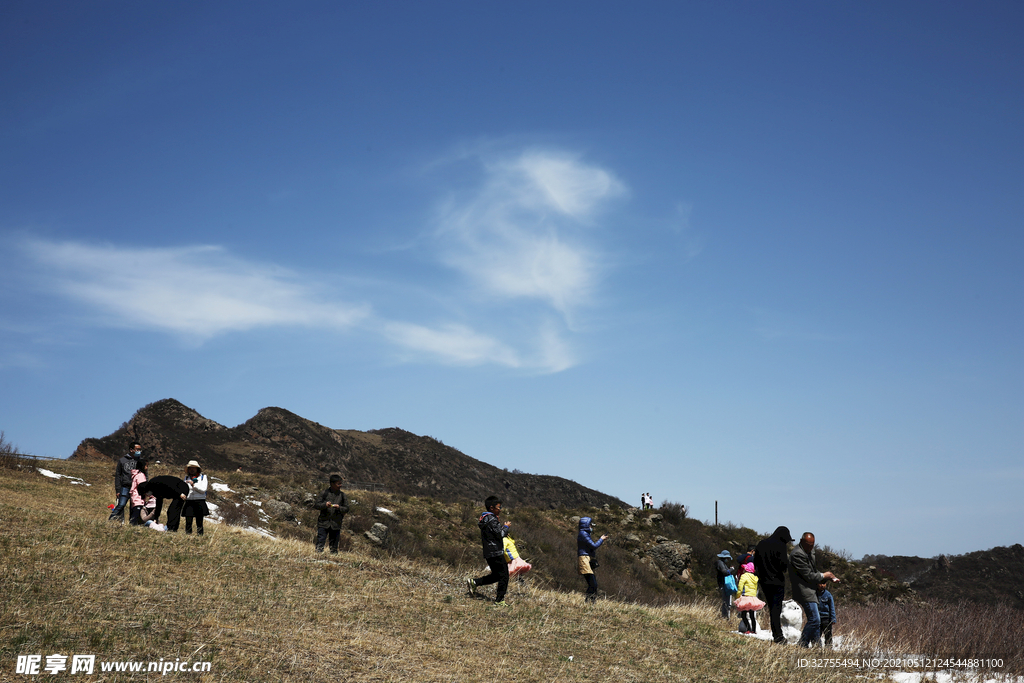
{"points": [[266, 609]]}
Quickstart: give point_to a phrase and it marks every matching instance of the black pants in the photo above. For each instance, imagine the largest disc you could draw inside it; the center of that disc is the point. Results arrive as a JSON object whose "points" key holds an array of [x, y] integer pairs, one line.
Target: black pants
{"points": [[773, 595], [748, 621], [498, 575], [826, 632], [199, 524], [324, 536], [591, 580], [173, 513]]}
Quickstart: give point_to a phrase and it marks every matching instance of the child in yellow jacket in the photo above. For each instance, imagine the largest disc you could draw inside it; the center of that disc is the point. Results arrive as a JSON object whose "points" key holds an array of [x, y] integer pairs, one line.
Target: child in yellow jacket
{"points": [[747, 587]]}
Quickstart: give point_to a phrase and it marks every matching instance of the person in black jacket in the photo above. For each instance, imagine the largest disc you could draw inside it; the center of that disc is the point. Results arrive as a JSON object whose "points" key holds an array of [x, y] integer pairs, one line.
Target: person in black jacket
{"points": [[166, 486], [771, 562], [123, 480], [332, 506], [492, 533]]}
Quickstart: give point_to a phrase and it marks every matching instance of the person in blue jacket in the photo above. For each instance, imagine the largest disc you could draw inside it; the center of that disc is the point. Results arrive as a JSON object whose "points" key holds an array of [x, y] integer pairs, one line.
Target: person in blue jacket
{"points": [[586, 551], [826, 612]]}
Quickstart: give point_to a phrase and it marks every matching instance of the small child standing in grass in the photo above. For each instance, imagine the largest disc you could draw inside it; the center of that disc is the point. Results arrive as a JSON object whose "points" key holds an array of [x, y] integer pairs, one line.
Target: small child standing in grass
{"points": [[827, 613], [747, 601], [492, 534]]}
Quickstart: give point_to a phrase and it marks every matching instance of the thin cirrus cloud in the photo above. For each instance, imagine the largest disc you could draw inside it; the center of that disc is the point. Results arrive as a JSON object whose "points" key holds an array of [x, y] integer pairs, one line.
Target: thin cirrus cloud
{"points": [[196, 292], [520, 237], [523, 233]]}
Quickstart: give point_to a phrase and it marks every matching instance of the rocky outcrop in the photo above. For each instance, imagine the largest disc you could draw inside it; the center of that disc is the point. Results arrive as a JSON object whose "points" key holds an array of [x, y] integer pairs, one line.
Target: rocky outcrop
{"points": [[377, 534], [672, 559]]}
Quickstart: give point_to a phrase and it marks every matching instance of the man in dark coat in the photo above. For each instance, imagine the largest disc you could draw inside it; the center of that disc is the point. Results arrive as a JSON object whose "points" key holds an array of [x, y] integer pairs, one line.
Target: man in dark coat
{"points": [[492, 534], [123, 480], [332, 506], [771, 560], [804, 578], [166, 486]]}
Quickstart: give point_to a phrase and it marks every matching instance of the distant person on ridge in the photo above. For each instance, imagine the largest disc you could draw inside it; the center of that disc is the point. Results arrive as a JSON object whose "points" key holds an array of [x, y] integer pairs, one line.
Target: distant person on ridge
{"points": [[123, 481], [805, 578], [492, 535], [586, 556], [771, 560], [332, 506]]}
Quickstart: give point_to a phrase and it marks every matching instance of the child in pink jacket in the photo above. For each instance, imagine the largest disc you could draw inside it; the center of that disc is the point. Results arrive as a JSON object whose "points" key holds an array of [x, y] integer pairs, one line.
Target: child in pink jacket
{"points": [[138, 477]]}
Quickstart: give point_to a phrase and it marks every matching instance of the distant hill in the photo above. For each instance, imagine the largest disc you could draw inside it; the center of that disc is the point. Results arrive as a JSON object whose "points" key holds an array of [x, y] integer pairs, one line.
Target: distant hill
{"points": [[986, 576], [278, 442]]}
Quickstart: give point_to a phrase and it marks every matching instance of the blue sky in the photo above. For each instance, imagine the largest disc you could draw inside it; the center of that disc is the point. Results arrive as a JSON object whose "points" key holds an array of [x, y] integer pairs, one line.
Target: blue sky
{"points": [[766, 255]]}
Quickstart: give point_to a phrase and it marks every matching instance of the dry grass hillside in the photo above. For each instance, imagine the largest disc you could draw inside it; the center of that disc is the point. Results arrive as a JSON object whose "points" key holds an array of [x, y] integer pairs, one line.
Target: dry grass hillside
{"points": [[262, 609], [271, 609]]}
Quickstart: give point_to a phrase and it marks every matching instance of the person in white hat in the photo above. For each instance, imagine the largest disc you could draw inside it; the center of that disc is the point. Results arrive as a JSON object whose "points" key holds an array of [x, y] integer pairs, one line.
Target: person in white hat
{"points": [[195, 501]]}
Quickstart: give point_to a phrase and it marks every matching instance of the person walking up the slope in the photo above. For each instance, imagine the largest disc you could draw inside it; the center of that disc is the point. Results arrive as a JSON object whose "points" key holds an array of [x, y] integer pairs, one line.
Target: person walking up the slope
{"points": [[586, 556], [492, 533]]}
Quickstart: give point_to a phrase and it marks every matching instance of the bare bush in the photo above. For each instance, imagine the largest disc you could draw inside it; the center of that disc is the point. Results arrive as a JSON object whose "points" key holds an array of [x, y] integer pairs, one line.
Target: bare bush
{"points": [[6, 447], [10, 456], [674, 513], [962, 630]]}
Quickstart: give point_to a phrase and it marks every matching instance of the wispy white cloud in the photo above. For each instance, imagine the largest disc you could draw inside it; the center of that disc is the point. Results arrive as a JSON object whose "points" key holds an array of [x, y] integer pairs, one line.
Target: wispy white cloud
{"points": [[451, 343], [520, 238], [454, 344], [200, 292], [521, 234], [197, 292]]}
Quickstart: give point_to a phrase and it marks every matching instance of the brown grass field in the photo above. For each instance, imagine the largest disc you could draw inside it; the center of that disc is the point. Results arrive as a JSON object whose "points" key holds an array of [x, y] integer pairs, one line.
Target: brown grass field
{"points": [[261, 609]]}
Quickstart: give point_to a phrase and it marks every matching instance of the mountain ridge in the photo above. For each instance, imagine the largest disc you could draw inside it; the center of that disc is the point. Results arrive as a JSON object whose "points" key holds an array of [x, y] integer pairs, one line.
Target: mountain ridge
{"points": [[276, 441]]}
